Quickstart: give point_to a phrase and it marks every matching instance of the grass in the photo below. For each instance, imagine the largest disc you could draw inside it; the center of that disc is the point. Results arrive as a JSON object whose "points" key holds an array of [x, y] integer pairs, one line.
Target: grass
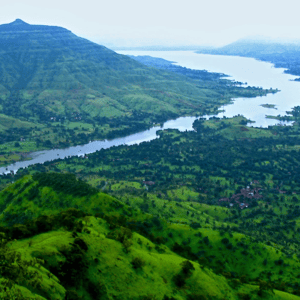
{"points": [[117, 273], [231, 128], [219, 249], [8, 122]]}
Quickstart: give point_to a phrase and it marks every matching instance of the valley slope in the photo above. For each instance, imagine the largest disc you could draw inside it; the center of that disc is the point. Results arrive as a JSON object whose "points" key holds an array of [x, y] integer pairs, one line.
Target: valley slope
{"points": [[62, 239], [57, 90]]}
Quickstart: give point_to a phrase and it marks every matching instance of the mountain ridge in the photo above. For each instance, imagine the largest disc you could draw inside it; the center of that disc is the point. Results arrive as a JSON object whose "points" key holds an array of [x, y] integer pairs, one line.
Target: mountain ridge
{"points": [[73, 90], [281, 54]]}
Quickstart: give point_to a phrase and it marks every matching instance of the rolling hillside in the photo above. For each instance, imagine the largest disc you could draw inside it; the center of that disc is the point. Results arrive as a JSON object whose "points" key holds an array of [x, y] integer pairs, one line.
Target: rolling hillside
{"points": [[77, 243]]}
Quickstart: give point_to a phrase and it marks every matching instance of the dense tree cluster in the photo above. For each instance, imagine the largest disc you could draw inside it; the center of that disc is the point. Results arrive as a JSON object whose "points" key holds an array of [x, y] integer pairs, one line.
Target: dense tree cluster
{"points": [[65, 183]]}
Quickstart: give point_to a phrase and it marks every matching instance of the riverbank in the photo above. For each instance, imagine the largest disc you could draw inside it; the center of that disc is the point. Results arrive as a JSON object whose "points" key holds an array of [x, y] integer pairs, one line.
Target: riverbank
{"points": [[240, 69], [214, 94]]}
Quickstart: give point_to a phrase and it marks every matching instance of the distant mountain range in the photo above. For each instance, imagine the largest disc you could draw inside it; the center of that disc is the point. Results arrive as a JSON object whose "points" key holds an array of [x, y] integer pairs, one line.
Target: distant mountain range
{"points": [[282, 54]]}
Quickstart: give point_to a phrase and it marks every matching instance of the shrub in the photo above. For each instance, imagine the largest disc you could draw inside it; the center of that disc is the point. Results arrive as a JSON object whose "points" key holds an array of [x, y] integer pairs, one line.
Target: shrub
{"points": [[187, 268], [81, 243], [195, 225], [170, 234], [95, 290], [137, 263], [32, 193], [43, 224], [206, 240], [127, 244], [264, 286], [19, 231], [225, 241], [179, 280], [279, 262], [72, 271], [243, 296], [235, 283], [168, 298], [229, 246], [148, 297]]}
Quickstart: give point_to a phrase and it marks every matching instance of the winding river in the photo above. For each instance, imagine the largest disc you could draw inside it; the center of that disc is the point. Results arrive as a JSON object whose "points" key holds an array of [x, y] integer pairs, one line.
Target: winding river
{"points": [[247, 70]]}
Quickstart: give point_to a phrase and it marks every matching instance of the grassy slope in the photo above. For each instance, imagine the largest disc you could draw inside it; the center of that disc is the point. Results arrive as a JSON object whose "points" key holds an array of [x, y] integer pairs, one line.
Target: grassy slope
{"points": [[120, 279], [17, 206], [178, 203], [114, 269], [53, 79], [161, 264]]}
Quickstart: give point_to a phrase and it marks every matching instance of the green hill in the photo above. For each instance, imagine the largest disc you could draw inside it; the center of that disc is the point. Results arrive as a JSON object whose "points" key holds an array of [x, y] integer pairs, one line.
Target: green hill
{"points": [[69, 90], [68, 241], [227, 194]]}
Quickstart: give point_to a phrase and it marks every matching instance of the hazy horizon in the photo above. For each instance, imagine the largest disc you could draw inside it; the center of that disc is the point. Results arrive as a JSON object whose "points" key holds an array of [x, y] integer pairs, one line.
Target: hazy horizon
{"points": [[163, 23]]}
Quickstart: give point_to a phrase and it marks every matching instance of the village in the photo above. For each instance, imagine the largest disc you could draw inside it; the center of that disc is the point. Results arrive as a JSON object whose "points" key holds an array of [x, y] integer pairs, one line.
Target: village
{"points": [[246, 195]]}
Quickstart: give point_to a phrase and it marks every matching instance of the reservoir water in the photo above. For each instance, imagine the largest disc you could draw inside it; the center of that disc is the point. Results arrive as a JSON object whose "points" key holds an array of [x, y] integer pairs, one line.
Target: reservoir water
{"points": [[247, 70]]}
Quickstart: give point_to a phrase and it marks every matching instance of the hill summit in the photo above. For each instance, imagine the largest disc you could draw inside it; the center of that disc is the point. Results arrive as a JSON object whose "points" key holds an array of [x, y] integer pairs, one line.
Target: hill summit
{"points": [[18, 22], [47, 71]]}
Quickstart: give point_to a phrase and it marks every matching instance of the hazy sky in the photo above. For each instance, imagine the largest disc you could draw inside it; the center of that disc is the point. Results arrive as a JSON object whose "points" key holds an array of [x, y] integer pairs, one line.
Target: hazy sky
{"points": [[161, 22]]}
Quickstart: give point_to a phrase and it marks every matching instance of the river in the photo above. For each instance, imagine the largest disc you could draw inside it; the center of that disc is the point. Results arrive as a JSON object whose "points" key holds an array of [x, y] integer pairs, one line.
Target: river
{"points": [[255, 73], [182, 124]]}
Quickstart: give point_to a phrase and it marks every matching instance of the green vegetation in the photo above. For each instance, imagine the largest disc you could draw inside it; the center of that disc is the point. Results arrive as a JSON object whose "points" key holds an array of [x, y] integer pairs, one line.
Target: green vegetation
{"points": [[58, 90], [212, 213], [224, 197], [293, 115], [116, 253]]}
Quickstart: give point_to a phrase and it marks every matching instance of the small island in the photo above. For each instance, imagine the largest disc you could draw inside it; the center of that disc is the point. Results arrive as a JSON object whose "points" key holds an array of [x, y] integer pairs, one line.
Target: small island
{"points": [[269, 106]]}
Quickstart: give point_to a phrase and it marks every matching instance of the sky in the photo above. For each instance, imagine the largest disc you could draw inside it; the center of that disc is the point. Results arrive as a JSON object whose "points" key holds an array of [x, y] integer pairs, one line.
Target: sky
{"points": [[130, 23]]}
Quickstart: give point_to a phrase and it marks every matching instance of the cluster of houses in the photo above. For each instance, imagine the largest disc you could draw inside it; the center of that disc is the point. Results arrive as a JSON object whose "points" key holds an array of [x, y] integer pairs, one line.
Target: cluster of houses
{"points": [[249, 193]]}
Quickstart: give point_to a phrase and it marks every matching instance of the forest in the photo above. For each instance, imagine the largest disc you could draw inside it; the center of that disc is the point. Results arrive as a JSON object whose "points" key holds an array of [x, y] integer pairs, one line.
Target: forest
{"points": [[210, 214], [223, 179]]}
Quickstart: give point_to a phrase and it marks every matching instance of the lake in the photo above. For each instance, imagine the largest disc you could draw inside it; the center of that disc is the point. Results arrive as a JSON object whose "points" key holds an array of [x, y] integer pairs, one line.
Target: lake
{"points": [[247, 70], [255, 73]]}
